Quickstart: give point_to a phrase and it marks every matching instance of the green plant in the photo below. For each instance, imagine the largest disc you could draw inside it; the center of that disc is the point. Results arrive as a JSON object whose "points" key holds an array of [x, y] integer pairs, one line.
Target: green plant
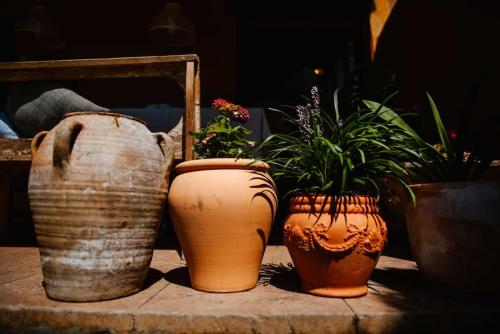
{"points": [[224, 136], [338, 156], [444, 162]]}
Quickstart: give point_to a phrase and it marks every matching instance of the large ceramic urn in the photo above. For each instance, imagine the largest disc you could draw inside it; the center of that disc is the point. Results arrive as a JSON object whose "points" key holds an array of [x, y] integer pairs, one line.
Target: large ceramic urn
{"points": [[334, 249], [222, 211], [97, 189], [454, 232]]}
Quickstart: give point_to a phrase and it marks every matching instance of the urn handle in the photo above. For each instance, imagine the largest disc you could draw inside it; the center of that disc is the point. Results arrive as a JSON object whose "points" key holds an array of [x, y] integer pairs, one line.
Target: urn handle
{"points": [[167, 147], [37, 141], [64, 139]]}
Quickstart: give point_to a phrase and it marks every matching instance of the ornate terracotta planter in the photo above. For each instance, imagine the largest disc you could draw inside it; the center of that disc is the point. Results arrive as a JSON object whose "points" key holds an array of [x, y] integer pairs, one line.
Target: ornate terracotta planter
{"points": [[334, 254], [454, 233], [222, 211], [97, 189]]}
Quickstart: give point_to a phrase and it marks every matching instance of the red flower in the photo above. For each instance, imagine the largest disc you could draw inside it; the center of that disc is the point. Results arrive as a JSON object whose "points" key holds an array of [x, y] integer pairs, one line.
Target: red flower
{"points": [[452, 134], [220, 103], [235, 111]]}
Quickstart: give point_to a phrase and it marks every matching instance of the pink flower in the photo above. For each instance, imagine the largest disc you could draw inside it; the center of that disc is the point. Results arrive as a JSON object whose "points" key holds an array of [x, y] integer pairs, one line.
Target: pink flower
{"points": [[241, 115]]}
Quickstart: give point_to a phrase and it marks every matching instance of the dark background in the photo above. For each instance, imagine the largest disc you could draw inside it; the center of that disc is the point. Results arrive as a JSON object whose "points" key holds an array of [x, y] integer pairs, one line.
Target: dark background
{"points": [[263, 53]]}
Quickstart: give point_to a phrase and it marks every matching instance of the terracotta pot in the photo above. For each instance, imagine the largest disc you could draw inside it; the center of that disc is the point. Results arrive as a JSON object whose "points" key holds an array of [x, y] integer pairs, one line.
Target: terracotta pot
{"points": [[222, 211], [334, 254], [97, 189], [454, 233]]}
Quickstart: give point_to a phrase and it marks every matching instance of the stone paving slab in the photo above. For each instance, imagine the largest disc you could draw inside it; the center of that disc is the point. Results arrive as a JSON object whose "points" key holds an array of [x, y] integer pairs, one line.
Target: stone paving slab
{"points": [[398, 301], [271, 307]]}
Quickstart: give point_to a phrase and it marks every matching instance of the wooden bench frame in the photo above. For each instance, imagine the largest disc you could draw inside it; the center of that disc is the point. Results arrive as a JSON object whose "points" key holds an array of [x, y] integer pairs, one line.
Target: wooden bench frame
{"points": [[130, 67], [15, 154]]}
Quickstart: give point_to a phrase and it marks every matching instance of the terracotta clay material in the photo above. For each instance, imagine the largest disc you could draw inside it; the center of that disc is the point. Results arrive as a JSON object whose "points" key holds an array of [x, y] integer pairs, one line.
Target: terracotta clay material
{"points": [[454, 233], [222, 211], [97, 189], [334, 254]]}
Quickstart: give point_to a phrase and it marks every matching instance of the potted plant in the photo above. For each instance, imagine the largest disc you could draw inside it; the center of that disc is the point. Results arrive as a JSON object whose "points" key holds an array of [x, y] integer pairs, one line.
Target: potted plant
{"points": [[454, 228], [222, 205], [335, 164]]}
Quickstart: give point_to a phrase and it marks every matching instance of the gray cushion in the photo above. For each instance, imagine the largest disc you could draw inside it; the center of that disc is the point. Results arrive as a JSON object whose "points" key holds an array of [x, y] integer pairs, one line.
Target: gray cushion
{"points": [[47, 110]]}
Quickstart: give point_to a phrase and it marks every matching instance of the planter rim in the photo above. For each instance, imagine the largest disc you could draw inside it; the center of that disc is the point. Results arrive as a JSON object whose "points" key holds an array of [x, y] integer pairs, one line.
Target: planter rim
{"points": [[221, 163], [103, 113], [321, 196], [494, 163], [455, 184], [346, 204]]}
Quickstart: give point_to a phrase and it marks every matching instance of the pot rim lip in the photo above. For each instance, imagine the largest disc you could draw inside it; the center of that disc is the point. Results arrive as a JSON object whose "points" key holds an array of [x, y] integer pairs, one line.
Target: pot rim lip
{"points": [[428, 185], [103, 113], [346, 204], [221, 163], [324, 195]]}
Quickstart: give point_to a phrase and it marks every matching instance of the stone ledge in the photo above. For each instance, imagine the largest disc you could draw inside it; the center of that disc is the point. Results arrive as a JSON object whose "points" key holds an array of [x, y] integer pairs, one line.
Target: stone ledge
{"points": [[398, 301]]}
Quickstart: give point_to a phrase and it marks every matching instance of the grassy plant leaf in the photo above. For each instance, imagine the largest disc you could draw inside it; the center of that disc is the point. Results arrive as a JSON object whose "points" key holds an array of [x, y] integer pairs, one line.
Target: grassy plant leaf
{"points": [[336, 105], [443, 135], [391, 116]]}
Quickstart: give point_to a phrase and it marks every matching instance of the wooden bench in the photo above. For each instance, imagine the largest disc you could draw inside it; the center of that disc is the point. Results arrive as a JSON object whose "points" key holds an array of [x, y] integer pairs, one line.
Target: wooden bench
{"points": [[15, 155]]}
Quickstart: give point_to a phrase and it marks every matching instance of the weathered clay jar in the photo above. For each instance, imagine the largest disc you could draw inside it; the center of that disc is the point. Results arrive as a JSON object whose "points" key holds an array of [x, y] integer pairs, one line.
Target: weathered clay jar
{"points": [[222, 211], [454, 232], [97, 189], [334, 254]]}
